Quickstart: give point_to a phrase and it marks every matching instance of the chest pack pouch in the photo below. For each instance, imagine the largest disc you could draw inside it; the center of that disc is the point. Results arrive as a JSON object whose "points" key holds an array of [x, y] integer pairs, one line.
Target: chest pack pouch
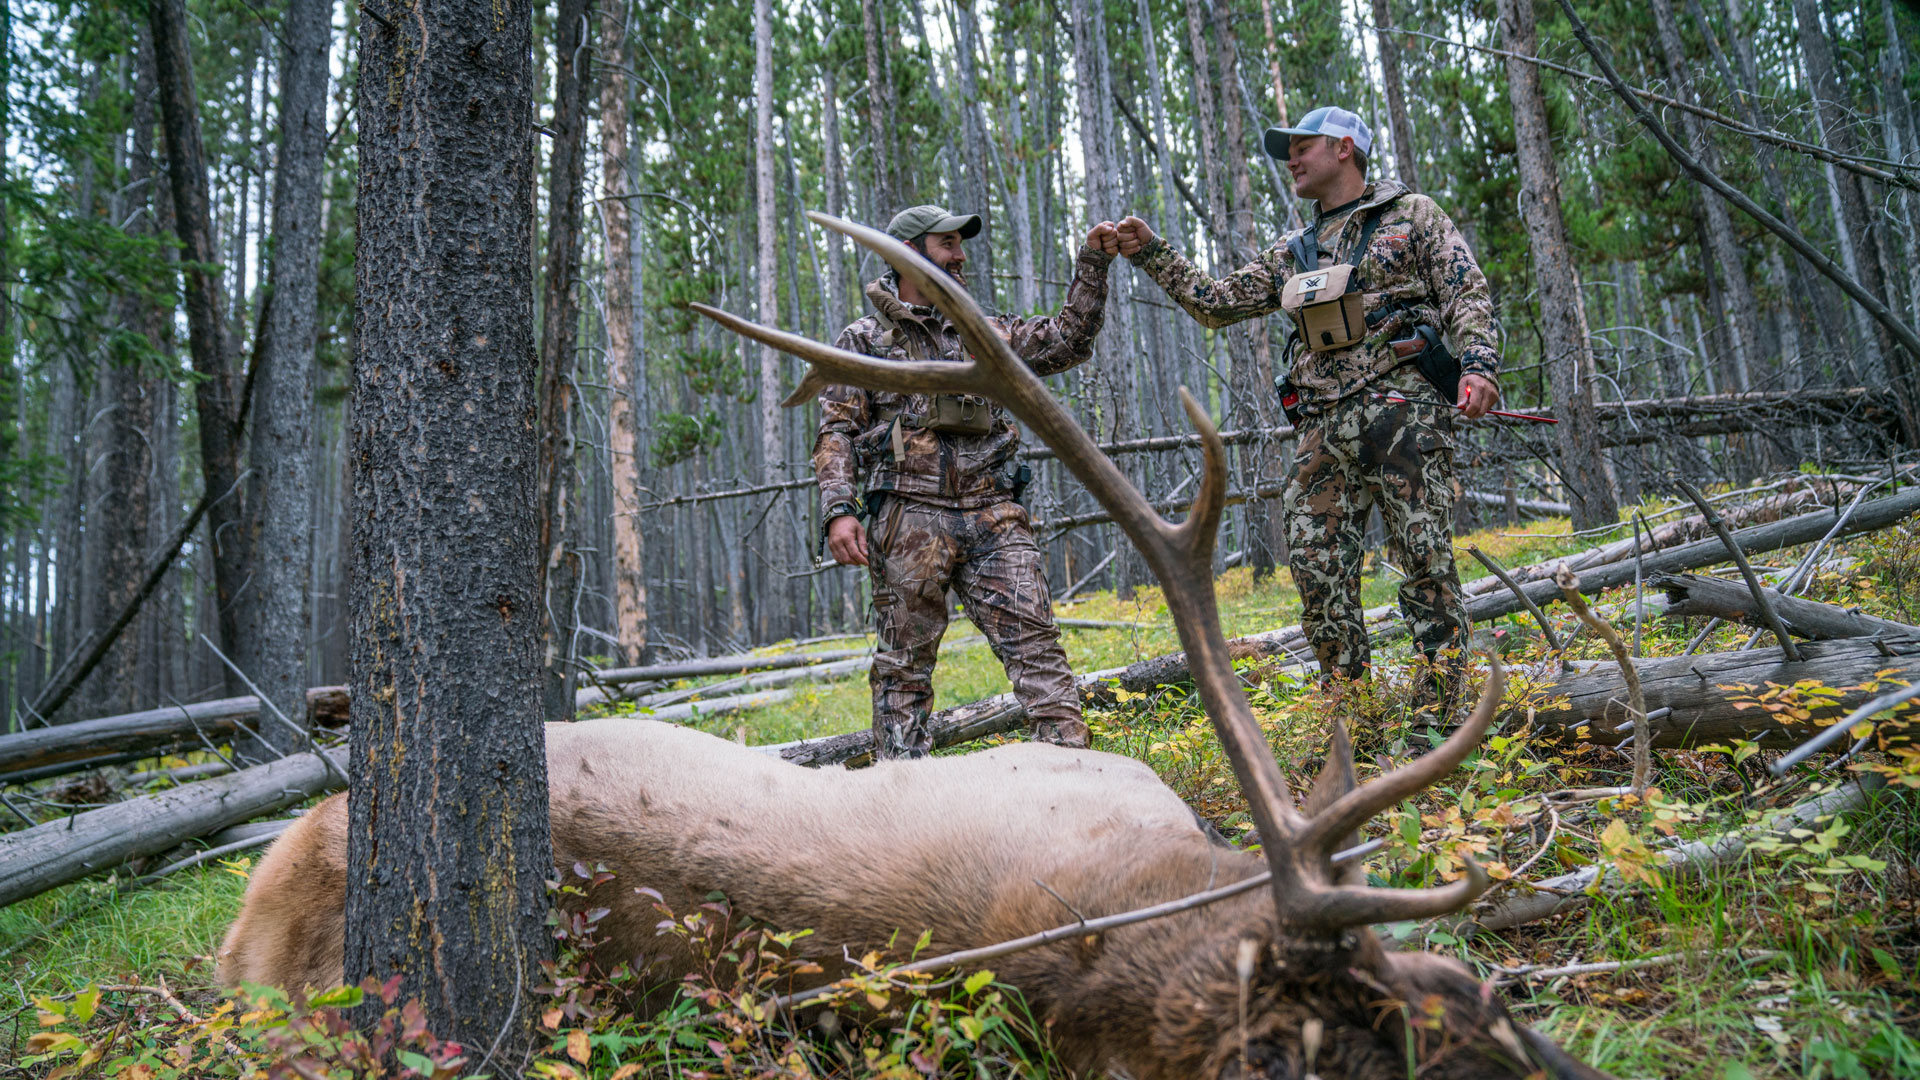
{"points": [[1328, 306]]}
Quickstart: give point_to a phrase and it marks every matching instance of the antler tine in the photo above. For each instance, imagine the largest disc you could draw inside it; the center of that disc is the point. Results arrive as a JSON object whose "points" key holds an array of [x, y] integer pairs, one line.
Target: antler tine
{"points": [[827, 365], [1352, 810], [1329, 909]]}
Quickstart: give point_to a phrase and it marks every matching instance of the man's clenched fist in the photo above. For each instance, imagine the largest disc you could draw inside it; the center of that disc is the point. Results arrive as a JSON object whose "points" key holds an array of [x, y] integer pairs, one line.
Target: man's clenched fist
{"points": [[1105, 236], [1134, 234]]}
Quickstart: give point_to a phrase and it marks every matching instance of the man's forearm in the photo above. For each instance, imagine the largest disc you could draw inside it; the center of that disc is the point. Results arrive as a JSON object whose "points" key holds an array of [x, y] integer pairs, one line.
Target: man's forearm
{"points": [[1213, 302], [833, 469]]}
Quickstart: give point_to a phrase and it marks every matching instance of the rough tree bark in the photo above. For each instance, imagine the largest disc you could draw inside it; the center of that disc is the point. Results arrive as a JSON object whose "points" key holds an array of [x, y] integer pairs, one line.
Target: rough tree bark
{"points": [[1563, 316], [879, 112], [629, 540], [1252, 372], [123, 507], [448, 808], [216, 395], [559, 333], [273, 649], [1742, 313], [1397, 122]]}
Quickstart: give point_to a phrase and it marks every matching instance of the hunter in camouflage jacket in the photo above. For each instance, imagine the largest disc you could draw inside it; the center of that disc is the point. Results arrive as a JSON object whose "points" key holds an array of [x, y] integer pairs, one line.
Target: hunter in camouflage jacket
{"points": [[1358, 448], [1416, 260], [958, 471]]}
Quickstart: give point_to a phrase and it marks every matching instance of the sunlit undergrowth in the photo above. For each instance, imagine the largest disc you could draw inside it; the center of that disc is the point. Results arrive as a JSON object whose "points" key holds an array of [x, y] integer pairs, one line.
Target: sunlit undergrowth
{"points": [[1800, 958]]}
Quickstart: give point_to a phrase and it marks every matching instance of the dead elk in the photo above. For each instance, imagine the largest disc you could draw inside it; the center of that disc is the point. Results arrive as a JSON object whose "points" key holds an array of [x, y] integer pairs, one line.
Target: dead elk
{"points": [[990, 847]]}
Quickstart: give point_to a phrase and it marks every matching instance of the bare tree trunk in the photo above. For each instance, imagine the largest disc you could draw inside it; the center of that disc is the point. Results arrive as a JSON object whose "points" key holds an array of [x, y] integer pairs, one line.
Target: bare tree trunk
{"points": [[1854, 224], [273, 650], [448, 803], [1397, 122], [1563, 317], [216, 397], [629, 540], [122, 508], [886, 182], [1742, 314], [836, 185], [560, 328], [1252, 372]]}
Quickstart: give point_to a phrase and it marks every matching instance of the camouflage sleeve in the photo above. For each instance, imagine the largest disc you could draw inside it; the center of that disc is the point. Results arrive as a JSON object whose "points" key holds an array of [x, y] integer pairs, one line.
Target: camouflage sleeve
{"points": [[1250, 291], [1459, 289], [843, 415], [1063, 341]]}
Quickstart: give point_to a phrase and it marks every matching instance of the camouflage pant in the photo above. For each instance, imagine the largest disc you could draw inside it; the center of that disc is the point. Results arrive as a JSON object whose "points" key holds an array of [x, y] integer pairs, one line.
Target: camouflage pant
{"points": [[1357, 454], [988, 556]]}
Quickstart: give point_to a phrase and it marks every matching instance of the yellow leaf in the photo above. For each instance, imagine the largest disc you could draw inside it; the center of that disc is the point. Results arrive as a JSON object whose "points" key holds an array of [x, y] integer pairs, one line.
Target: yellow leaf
{"points": [[624, 1071], [577, 1046], [551, 1018]]}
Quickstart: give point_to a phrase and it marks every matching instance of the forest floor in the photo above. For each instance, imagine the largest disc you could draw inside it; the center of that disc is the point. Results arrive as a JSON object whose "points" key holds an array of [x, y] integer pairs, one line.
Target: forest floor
{"points": [[1801, 960]]}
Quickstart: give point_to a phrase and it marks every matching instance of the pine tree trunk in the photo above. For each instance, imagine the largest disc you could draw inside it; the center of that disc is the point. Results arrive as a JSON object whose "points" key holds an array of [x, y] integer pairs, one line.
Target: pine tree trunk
{"points": [[1563, 316], [273, 647], [448, 804], [1252, 373], [216, 397], [886, 184], [121, 509], [836, 185], [1855, 217], [559, 333], [629, 539], [1742, 314], [1397, 122]]}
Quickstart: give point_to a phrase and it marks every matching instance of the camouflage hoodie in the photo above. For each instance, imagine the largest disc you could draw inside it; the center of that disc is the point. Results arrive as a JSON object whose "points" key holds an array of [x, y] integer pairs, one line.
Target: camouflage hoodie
{"points": [[959, 471], [1416, 258]]}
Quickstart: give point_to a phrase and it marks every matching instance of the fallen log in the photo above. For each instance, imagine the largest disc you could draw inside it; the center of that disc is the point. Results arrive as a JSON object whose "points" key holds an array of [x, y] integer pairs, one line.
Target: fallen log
{"points": [[68, 849], [719, 665], [86, 744], [950, 727], [1695, 595], [1702, 712], [1576, 889]]}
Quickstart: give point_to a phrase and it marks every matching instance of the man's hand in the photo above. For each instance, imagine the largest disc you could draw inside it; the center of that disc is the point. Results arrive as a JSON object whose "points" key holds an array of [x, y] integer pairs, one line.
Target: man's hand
{"points": [[1105, 238], [847, 540], [1477, 394], [1134, 234]]}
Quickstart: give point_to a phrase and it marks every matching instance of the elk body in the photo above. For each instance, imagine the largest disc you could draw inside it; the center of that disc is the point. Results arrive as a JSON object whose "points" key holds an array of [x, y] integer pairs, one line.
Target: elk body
{"points": [[1286, 982], [967, 847]]}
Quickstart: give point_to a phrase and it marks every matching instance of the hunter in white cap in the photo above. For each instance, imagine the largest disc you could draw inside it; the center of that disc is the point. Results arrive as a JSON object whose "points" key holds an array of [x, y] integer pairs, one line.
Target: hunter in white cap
{"points": [[1328, 120]]}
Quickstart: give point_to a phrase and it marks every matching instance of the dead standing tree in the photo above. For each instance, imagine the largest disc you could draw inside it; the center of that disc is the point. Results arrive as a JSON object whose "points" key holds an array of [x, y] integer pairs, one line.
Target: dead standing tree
{"points": [[449, 838]]}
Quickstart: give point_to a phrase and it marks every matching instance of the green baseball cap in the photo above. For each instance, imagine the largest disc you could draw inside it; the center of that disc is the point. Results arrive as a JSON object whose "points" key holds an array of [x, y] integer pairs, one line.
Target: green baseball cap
{"points": [[916, 220]]}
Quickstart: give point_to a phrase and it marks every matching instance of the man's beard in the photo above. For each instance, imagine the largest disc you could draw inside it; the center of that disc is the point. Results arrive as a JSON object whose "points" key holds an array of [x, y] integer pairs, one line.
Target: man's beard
{"points": [[959, 276]]}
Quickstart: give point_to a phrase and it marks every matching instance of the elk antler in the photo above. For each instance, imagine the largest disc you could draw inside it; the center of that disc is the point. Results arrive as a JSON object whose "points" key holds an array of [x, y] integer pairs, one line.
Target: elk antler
{"points": [[1298, 848]]}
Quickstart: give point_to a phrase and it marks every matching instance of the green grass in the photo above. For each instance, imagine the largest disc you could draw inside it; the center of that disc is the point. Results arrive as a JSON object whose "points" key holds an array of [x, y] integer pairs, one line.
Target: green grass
{"points": [[1839, 997]]}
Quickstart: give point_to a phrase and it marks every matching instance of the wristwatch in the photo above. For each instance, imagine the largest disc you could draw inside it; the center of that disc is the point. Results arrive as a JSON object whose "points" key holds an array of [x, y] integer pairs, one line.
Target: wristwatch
{"points": [[841, 509]]}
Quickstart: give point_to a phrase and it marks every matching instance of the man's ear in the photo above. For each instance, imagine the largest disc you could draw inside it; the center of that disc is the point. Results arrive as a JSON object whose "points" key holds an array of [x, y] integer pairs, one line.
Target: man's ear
{"points": [[1345, 151]]}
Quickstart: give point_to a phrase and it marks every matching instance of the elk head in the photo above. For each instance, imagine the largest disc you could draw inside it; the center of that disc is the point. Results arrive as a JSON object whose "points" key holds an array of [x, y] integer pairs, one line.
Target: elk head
{"points": [[1306, 989]]}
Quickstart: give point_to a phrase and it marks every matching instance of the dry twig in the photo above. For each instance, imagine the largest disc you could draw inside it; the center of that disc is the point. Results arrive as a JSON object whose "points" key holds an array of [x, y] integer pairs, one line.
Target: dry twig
{"points": [[1636, 699]]}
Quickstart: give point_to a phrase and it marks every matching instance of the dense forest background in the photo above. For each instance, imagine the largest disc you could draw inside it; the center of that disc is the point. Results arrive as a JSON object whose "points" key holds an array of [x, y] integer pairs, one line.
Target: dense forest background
{"points": [[173, 405]]}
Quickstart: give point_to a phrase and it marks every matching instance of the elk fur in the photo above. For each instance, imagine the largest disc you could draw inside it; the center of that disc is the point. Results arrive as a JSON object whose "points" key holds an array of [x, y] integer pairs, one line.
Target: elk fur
{"points": [[960, 846]]}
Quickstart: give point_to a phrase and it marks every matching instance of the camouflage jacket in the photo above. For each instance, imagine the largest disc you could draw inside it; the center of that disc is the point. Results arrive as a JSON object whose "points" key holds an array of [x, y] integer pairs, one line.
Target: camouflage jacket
{"points": [[1416, 259], [960, 471]]}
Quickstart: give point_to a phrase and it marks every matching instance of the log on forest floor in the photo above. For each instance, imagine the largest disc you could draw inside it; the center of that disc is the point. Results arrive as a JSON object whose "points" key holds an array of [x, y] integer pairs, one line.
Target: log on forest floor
{"points": [[739, 664], [1693, 595], [70, 848], [1703, 712], [1693, 859], [86, 744]]}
